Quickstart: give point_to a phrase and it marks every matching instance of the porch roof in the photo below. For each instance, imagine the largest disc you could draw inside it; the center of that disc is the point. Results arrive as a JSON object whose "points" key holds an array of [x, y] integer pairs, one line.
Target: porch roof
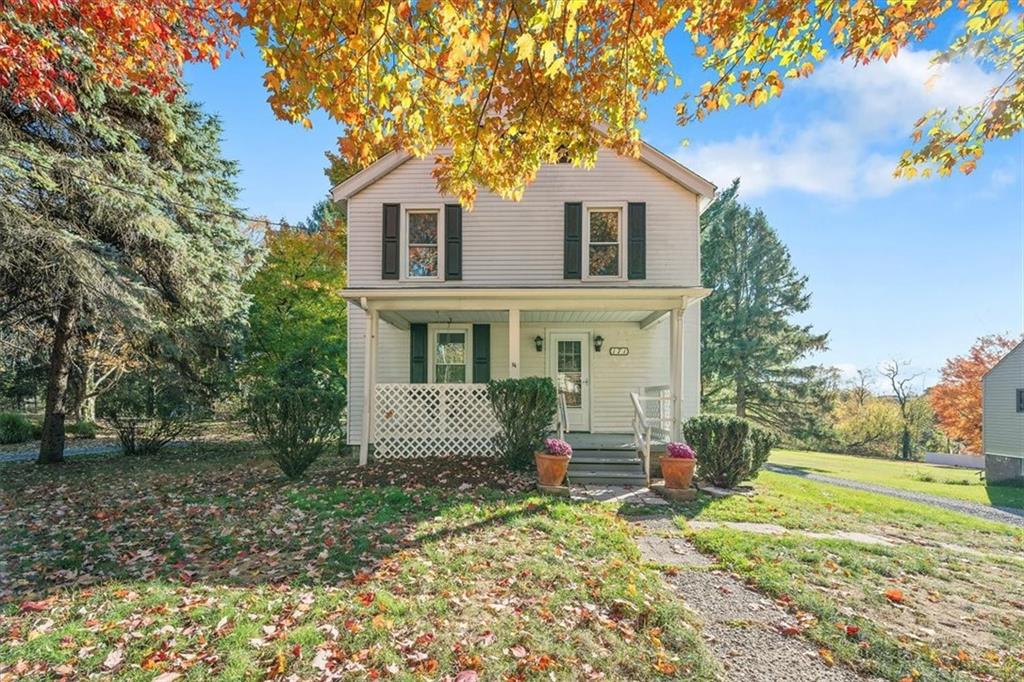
{"points": [[645, 305]]}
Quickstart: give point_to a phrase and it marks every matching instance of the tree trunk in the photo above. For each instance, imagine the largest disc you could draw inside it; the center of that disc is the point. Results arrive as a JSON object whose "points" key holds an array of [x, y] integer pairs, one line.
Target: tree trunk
{"points": [[51, 449], [87, 407], [741, 399]]}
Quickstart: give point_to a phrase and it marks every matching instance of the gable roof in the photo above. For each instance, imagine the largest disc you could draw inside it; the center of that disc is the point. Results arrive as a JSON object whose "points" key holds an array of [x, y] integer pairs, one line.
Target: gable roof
{"points": [[1013, 351], [658, 160]]}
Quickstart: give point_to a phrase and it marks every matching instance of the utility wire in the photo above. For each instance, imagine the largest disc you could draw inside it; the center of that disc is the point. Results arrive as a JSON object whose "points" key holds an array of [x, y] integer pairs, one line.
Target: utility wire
{"points": [[152, 197]]}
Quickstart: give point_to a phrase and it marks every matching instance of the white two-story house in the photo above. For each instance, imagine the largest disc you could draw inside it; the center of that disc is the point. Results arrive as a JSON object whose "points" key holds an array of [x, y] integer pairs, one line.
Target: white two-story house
{"points": [[590, 279]]}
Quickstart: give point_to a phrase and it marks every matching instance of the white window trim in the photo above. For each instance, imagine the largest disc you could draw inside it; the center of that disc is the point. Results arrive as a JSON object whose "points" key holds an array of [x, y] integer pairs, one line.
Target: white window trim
{"points": [[604, 206], [404, 242], [432, 332]]}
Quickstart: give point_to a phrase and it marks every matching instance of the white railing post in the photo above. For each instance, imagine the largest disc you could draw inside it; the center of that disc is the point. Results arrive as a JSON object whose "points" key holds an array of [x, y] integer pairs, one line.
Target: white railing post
{"points": [[369, 385], [676, 369]]}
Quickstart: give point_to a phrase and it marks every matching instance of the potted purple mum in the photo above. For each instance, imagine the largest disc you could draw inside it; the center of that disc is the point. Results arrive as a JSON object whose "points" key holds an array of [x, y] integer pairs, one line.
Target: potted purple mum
{"points": [[677, 465], [553, 461]]}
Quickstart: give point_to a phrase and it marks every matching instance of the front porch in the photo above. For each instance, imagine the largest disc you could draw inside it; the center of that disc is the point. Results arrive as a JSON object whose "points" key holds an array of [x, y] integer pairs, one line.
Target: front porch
{"points": [[529, 332]]}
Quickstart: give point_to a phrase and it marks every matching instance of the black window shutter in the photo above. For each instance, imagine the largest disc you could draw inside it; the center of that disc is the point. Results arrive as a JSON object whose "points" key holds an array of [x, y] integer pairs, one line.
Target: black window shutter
{"points": [[452, 242], [418, 353], [390, 242], [481, 353], [573, 260], [637, 241]]}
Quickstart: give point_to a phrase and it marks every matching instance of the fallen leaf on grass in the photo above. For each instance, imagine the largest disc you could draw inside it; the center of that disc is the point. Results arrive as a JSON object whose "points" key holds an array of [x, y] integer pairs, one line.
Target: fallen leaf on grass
{"points": [[788, 629], [894, 595], [113, 659], [467, 676], [665, 667], [826, 656], [166, 677]]}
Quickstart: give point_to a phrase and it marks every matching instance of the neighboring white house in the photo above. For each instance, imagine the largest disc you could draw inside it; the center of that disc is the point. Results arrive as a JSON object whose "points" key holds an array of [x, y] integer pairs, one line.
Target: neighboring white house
{"points": [[1003, 418], [591, 279]]}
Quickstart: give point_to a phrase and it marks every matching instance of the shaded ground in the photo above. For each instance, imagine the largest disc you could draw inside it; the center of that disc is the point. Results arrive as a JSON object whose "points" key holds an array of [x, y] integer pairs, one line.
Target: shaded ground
{"points": [[943, 601], [208, 564], [934, 480]]}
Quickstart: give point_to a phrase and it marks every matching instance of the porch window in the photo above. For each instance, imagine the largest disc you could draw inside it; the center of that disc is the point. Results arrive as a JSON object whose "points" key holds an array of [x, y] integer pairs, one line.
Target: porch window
{"points": [[451, 355], [604, 242], [423, 234]]}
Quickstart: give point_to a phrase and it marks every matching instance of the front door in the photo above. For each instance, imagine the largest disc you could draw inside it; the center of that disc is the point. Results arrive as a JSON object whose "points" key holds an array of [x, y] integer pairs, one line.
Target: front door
{"points": [[569, 360]]}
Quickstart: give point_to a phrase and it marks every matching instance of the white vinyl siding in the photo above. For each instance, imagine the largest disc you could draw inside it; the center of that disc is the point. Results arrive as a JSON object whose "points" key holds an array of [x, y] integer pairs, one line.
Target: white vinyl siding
{"points": [[508, 243], [1003, 426], [612, 377]]}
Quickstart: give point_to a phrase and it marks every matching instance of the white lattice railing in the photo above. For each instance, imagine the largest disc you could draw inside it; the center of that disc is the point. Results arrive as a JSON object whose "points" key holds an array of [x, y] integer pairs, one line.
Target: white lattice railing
{"points": [[434, 420]]}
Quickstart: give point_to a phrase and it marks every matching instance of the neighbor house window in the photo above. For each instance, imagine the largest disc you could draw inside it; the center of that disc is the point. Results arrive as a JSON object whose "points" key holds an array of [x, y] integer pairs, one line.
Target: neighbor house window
{"points": [[604, 242], [451, 355], [1020, 399], [423, 234]]}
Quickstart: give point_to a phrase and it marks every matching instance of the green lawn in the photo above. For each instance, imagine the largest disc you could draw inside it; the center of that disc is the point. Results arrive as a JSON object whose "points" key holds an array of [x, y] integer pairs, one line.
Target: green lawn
{"points": [[960, 580], [959, 484], [209, 565]]}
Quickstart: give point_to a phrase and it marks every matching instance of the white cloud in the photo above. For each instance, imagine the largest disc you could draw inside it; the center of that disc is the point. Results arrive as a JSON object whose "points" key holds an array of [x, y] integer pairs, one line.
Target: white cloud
{"points": [[848, 146]]}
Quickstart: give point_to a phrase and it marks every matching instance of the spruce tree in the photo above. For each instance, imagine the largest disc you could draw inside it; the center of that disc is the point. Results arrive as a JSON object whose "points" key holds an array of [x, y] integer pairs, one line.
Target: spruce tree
{"points": [[752, 357], [118, 214]]}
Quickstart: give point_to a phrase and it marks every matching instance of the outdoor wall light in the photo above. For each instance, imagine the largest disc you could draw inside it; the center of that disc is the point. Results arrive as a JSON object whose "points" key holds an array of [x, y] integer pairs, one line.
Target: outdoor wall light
{"points": [[538, 343], [598, 342]]}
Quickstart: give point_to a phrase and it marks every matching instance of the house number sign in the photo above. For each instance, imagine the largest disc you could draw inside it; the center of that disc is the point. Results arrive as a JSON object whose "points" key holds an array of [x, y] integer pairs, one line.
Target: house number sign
{"points": [[618, 350]]}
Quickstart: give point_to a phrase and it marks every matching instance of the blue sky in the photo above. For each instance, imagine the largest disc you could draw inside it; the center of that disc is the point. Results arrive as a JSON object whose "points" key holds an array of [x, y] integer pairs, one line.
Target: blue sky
{"points": [[907, 270]]}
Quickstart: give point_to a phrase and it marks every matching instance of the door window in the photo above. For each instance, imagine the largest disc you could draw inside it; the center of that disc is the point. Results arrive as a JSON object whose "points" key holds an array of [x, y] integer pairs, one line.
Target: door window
{"points": [[570, 372]]}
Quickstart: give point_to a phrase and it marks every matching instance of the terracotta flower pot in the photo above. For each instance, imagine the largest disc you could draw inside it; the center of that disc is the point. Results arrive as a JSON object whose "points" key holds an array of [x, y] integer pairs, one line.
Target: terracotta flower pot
{"points": [[678, 472], [551, 468]]}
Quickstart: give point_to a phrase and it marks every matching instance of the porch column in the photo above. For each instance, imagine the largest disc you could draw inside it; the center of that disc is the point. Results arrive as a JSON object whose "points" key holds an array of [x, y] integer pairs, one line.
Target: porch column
{"points": [[676, 369], [513, 343], [369, 383]]}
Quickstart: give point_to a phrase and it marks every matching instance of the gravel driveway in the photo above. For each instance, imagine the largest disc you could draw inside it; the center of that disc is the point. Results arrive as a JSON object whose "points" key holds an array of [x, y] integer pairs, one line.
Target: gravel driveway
{"points": [[1010, 515]]}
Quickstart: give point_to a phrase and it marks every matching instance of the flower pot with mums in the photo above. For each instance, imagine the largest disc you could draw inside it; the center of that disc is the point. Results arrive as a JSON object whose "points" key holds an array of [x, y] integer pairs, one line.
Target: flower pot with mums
{"points": [[553, 462], [677, 465]]}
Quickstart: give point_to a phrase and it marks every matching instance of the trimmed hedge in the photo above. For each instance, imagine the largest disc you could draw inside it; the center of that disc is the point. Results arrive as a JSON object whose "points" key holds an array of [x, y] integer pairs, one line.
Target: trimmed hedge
{"points": [[729, 449], [82, 429], [524, 409]]}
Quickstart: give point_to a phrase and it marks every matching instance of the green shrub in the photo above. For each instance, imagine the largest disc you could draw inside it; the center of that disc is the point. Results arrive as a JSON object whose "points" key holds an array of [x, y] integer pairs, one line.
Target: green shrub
{"points": [[524, 409], [297, 424], [82, 429], [729, 449], [15, 428], [150, 409]]}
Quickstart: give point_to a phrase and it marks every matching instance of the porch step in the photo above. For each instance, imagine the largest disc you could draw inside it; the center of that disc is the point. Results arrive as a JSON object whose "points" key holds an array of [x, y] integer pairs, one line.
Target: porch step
{"points": [[616, 454], [607, 477]]}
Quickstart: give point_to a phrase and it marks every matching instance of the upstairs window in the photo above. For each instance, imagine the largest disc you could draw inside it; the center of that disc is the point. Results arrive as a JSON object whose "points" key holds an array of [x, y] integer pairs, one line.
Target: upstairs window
{"points": [[422, 237], [604, 242]]}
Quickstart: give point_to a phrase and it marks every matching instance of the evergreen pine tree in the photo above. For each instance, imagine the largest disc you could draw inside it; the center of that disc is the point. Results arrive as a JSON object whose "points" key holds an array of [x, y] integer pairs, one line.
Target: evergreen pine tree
{"points": [[119, 213], [751, 350]]}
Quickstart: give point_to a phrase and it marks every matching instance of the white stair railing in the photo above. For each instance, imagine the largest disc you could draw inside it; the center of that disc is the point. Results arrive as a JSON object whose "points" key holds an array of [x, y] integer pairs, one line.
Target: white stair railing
{"points": [[652, 421]]}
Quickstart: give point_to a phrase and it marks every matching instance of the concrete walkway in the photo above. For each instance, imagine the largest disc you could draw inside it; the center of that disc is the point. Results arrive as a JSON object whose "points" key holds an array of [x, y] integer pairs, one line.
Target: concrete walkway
{"points": [[624, 494], [1010, 515], [30, 454], [742, 628]]}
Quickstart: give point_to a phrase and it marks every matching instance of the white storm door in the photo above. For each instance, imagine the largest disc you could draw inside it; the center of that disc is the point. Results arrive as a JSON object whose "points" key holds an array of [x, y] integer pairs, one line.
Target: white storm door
{"points": [[569, 360]]}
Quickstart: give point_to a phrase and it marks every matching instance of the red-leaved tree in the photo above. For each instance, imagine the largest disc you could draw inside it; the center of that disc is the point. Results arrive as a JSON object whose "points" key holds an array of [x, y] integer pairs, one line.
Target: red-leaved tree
{"points": [[47, 46], [956, 399]]}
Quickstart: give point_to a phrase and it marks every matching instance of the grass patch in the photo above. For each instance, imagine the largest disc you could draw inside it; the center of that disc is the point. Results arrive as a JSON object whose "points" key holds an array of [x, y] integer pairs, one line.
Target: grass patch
{"points": [[960, 580], [951, 482], [210, 565]]}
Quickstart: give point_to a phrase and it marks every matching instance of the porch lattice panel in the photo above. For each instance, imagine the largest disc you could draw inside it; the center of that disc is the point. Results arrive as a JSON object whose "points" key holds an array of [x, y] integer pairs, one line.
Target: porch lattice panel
{"points": [[434, 420]]}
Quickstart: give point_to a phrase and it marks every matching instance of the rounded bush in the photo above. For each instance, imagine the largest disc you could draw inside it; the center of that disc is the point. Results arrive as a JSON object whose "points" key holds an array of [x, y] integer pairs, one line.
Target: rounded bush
{"points": [[731, 448]]}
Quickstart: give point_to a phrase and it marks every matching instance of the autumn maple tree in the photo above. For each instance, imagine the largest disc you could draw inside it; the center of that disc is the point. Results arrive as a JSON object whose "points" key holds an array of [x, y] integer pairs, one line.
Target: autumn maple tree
{"points": [[47, 47], [956, 399], [505, 86]]}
